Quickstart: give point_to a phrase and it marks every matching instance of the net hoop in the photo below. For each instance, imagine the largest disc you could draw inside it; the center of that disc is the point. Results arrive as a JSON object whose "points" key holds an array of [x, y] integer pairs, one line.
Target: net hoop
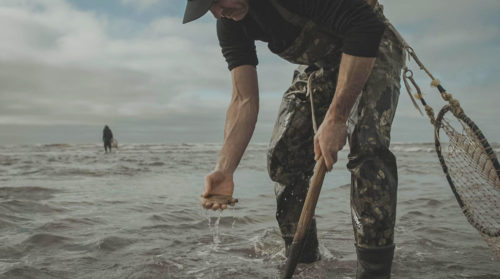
{"points": [[487, 149]]}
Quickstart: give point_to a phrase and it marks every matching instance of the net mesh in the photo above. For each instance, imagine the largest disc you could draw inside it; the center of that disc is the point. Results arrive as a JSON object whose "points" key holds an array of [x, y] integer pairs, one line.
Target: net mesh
{"points": [[475, 178]]}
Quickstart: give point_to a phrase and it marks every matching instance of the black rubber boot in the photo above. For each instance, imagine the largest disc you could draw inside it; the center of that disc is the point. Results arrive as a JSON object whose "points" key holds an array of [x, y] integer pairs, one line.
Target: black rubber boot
{"points": [[374, 263]]}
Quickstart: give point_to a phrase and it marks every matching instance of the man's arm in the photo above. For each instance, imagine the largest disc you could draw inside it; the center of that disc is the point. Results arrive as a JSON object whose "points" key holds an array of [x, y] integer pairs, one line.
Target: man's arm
{"points": [[332, 133], [331, 136], [241, 117]]}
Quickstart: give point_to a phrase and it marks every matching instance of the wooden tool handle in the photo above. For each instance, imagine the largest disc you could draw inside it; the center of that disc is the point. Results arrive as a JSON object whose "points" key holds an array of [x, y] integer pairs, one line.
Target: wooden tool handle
{"points": [[311, 199], [305, 217]]}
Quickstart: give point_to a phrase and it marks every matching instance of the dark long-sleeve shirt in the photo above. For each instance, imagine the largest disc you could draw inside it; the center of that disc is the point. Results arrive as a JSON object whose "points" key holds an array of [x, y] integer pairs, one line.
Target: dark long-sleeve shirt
{"points": [[352, 20], [107, 135]]}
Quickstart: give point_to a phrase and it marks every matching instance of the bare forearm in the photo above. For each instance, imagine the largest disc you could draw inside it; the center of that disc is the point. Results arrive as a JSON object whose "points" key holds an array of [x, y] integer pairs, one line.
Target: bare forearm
{"points": [[241, 117], [353, 74]]}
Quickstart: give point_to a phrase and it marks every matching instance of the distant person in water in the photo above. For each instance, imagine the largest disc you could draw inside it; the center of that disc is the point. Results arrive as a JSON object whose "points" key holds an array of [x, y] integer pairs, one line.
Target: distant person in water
{"points": [[107, 138]]}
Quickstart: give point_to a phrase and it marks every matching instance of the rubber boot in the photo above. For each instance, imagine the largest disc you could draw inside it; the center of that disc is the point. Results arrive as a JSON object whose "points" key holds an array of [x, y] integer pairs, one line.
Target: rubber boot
{"points": [[374, 263]]}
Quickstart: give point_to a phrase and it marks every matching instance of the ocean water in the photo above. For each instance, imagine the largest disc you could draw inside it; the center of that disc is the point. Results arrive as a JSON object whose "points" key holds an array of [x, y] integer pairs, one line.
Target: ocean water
{"points": [[71, 211]]}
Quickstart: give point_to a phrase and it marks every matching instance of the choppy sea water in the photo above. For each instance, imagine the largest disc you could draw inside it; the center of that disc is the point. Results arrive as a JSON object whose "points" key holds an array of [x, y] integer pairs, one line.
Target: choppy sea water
{"points": [[71, 211]]}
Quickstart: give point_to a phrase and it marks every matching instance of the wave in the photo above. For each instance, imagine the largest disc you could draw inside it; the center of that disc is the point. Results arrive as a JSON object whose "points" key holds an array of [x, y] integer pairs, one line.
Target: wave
{"points": [[43, 241], [7, 225], [69, 224], [25, 206], [28, 272], [27, 193], [57, 145], [194, 147], [113, 243]]}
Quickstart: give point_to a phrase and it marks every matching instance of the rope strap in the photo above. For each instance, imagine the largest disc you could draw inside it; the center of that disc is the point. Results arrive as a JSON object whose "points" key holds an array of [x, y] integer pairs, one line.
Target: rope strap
{"points": [[408, 75], [408, 88], [309, 92]]}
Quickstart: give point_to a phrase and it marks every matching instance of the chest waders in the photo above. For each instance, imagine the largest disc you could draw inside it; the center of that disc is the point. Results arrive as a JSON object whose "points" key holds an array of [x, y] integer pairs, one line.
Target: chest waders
{"points": [[372, 166]]}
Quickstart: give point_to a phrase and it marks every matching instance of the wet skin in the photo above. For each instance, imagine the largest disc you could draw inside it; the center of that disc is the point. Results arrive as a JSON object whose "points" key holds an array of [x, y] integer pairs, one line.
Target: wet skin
{"points": [[218, 183], [241, 117]]}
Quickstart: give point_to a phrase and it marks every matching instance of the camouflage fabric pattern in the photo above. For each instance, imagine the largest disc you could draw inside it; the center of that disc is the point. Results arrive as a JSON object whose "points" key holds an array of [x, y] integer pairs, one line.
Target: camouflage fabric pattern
{"points": [[308, 42], [372, 165], [291, 154]]}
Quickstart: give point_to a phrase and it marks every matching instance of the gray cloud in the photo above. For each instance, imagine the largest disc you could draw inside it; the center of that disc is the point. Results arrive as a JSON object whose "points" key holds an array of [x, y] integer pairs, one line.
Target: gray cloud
{"points": [[141, 4], [63, 68]]}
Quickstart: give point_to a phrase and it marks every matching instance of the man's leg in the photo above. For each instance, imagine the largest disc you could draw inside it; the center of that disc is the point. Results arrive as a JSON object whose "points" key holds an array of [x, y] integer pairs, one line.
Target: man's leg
{"points": [[107, 146], [291, 155], [373, 166]]}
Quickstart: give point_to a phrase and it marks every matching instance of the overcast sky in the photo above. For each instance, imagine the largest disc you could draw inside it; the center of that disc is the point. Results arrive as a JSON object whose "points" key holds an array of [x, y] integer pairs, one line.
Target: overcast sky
{"points": [[68, 67]]}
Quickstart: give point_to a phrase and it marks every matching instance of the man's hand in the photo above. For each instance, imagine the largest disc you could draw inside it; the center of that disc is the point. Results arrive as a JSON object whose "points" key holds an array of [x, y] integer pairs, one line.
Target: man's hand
{"points": [[218, 183], [330, 139], [332, 133]]}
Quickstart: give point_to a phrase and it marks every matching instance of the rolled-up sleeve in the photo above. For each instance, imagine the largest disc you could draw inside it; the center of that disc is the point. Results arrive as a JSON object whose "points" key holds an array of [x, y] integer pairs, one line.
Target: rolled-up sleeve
{"points": [[236, 47]]}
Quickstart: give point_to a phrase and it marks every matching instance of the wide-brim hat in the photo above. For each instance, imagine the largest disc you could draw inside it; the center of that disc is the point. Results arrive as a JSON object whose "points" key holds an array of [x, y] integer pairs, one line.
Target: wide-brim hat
{"points": [[196, 9]]}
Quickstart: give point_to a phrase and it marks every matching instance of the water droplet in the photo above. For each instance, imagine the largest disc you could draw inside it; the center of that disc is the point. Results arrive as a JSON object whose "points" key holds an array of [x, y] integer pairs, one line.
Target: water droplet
{"points": [[234, 219]]}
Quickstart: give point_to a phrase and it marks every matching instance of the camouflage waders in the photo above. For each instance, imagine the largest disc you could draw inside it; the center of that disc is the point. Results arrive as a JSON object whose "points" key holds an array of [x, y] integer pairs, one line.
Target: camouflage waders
{"points": [[373, 167]]}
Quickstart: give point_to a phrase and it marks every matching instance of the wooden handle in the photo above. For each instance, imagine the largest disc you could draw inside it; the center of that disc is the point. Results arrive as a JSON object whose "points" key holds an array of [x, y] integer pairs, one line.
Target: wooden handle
{"points": [[305, 217], [311, 199]]}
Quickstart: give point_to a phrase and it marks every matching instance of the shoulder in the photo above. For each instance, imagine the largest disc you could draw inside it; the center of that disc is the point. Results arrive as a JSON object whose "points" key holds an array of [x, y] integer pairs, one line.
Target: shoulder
{"points": [[228, 26], [230, 31]]}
